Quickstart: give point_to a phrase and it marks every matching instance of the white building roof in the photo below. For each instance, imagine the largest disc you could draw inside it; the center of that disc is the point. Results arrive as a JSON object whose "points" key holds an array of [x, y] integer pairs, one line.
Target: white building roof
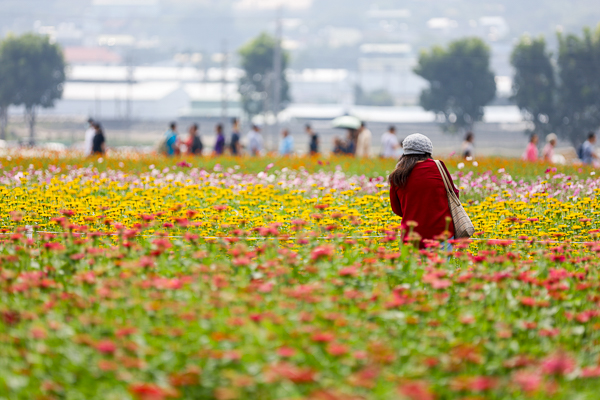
{"points": [[119, 73], [412, 114], [385, 48], [312, 111], [408, 114], [503, 114], [318, 75], [149, 91], [211, 91]]}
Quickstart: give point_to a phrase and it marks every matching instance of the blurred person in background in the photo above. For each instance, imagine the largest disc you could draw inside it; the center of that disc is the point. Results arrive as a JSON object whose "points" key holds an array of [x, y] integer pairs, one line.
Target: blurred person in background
{"points": [[531, 152], [194, 143], [89, 138], [220, 142], [338, 146], [348, 146], [390, 145], [286, 146], [363, 142], [255, 141], [99, 141], [548, 150], [351, 141], [468, 148], [171, 140], [235, 146], [313, 144], [588, 150]]}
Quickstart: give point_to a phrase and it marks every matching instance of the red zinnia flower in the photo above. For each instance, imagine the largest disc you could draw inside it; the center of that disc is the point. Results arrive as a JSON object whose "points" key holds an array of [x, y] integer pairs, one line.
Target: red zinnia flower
{"points": [[106, 346]]}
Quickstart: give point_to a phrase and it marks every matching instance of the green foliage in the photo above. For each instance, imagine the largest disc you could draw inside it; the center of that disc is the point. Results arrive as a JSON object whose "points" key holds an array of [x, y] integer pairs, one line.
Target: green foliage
{"points": [[570, 107], [7, 90], [257, 61], [460, 80], [36, 69], [33, 71], [381, 97], [534, 83], [579, 72]]}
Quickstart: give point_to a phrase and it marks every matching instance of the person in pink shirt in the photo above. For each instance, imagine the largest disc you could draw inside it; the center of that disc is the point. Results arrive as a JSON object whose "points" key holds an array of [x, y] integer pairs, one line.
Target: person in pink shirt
{"points": [[531, 153], [548, 151]]}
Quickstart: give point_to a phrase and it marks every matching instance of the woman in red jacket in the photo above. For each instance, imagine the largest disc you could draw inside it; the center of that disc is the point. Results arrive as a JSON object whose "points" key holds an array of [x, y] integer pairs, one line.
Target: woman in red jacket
{"points": [[417, 191]]}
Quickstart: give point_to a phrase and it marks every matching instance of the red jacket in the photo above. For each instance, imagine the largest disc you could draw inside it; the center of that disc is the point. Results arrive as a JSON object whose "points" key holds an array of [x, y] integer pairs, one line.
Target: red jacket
{"points": [[423, 200]]}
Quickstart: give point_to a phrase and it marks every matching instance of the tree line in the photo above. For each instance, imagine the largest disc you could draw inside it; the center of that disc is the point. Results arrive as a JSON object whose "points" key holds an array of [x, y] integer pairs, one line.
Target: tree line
{"points": [[32, 73], [556, 93]]}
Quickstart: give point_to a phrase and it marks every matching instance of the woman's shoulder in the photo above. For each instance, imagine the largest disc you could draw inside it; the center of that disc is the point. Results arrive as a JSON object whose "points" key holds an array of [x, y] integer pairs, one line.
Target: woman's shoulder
{"points": [[430, 165], [426, 163]]}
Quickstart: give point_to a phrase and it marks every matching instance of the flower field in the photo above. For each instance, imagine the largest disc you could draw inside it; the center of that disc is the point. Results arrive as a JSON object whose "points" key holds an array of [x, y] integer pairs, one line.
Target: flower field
{"points": [[283, 279]]}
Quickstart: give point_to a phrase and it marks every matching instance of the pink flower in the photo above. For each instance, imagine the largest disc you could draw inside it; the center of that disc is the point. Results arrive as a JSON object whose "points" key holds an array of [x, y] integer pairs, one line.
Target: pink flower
{"points": [[322, 251], [106, 346], [337, 349], [266, 287], [146, 262], [349, 271], [549, 332], [416, 390], [559, 363], [528, 381], [590, 372], [286, 352], [441, 284], [38, 333], [148, 391], [323, 337]]}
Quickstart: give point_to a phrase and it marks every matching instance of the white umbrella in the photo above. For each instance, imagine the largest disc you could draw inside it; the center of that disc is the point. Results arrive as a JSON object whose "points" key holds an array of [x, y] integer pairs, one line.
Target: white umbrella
{"points": [[346, 122]]}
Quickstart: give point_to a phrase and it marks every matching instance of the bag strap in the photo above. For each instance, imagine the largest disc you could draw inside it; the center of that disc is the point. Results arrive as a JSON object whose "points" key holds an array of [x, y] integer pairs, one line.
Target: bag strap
{"points": [[447, 183], [444, 178]]}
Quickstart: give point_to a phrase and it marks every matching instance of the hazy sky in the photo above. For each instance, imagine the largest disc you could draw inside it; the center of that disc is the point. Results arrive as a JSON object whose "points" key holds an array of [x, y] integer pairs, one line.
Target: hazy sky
{"points": [[273, 4]]}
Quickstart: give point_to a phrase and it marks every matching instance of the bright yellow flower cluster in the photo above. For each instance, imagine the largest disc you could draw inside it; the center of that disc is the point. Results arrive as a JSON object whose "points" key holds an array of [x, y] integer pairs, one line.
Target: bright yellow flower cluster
{"points": [[541, 216], [214, 205], [99, 204]]}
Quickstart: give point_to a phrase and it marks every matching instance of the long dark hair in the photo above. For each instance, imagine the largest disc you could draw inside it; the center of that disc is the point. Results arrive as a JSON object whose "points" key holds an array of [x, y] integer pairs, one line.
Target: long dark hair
{"points": [[404, 167]]}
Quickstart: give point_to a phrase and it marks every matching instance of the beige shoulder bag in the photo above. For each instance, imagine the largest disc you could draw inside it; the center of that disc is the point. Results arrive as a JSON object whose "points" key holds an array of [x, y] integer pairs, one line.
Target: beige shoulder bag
{"points": [[463, 227]]}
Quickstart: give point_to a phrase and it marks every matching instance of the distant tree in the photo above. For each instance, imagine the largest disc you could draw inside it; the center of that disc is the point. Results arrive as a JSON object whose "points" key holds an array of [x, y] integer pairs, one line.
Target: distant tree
{"points": [[534, 83], [257, 61], [579, 94], [6, 93], [36, 69], [381, 97], [460, 81]]}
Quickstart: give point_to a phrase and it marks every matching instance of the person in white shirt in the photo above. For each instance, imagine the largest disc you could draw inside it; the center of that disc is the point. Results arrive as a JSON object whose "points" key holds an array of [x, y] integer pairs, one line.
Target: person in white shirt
{"points": [[255, 141], [363, 143], [89, 138], [390, 145]]}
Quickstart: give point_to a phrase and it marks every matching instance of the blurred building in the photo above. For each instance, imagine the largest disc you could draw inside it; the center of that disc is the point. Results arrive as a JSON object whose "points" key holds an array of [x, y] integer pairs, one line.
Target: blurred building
{"points": [[113, 92]]}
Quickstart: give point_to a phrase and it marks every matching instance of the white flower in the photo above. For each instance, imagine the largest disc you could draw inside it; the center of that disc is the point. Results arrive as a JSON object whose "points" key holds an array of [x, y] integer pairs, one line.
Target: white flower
{"points": [[461, 165], [592, 173], [475, 163]]}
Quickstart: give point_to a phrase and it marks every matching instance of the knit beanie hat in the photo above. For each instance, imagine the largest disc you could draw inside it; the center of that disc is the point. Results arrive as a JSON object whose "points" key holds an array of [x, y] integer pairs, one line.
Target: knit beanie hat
{"points": [[417, 144]]}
